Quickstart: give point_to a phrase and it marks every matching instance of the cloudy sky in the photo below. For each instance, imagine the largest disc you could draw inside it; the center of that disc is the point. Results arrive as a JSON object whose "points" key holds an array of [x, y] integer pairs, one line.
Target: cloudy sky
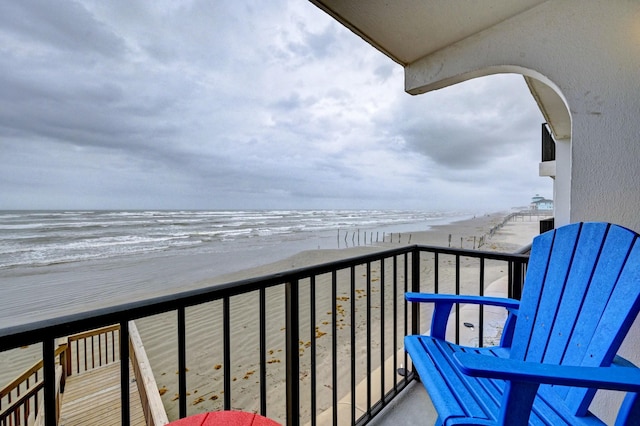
{"points": [[242, 104]]}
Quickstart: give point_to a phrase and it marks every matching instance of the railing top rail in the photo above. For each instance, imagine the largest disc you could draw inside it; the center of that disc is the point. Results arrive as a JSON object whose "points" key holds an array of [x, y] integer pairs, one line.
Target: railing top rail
{"points": [[494, 255], [29, 333]]}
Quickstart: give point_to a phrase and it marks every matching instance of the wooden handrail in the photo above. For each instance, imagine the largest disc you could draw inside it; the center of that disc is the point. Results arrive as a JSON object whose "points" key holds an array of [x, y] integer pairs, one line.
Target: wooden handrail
{"points": [[95, 332], [152, 406], [28, 373], [39, 418], [90, 355], [18, 402]]}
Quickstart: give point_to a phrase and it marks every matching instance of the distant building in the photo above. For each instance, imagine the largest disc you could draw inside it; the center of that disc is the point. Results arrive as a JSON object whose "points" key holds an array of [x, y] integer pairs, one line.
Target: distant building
{"points": [[541, 203]]}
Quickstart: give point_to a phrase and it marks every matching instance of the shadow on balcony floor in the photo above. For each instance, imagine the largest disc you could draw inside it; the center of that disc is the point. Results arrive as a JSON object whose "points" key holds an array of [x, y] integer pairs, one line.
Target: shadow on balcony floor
{"points": [[412, 407]]}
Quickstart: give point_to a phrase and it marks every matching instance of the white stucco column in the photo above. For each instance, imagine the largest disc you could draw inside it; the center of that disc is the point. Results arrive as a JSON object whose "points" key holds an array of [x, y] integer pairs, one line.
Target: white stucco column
{"points": [[562, 183]]}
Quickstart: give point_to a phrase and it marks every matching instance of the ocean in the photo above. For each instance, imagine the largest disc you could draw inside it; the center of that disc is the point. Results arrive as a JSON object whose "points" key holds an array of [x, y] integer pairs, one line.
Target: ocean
{"points": [[61, 262]]}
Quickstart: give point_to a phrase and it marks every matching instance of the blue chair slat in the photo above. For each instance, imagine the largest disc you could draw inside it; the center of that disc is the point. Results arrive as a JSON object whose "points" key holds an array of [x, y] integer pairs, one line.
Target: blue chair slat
{"points": [[551, 289], [581, 296], [563, 344], [586, 347], [612, 260], [550, 413], [459, 401], [536, 273], [582, 269], [615, 321], [542, 414]]}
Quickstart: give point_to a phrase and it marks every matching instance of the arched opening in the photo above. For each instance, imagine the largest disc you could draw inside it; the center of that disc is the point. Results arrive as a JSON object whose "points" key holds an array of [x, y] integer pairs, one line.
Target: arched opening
{"points": [[556, 113], [552, 103]]}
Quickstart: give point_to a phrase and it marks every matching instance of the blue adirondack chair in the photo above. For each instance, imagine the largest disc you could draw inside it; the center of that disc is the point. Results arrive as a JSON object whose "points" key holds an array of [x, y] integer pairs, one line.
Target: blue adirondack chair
{"points": [[580, 297]]}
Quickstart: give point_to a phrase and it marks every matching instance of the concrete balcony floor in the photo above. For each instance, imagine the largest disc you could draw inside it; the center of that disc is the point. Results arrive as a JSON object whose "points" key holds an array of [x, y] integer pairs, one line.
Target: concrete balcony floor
{"points": [[412, 407]]}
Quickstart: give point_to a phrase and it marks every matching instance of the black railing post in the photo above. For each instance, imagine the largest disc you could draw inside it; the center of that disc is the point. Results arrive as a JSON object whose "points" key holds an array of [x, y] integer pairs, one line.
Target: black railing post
{"points": [[481, 307], [124, 372], [415, 287], [517, 280], [382, 327], [457, 304], [182, 363], [263, 352], [312, 334], [334, 346], [352, 330], [226, 338], [293, 353], [50, 409], [368, 333]]}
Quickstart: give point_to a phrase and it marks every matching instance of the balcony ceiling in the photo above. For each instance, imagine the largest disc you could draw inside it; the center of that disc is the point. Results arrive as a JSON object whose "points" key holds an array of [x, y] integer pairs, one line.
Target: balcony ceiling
{"points": [[407, 30]]}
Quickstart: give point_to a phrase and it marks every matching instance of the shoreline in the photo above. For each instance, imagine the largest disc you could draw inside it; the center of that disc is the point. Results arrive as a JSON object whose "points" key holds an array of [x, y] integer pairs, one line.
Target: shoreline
{"points": [[74, 287], [435, 235]]}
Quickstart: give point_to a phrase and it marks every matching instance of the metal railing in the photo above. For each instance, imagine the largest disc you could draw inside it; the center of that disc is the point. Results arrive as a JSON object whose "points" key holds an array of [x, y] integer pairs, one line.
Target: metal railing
{"points": [[548, 144], [341, 332]]}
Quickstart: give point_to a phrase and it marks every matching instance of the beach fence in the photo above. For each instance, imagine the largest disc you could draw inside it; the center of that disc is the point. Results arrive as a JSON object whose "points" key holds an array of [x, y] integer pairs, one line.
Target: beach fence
{"points": [[357, 237], [517, 216]]}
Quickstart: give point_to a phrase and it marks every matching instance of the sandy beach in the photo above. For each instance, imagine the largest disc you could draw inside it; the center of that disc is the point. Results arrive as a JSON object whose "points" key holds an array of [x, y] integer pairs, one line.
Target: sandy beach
{"points": [[204, 322]]}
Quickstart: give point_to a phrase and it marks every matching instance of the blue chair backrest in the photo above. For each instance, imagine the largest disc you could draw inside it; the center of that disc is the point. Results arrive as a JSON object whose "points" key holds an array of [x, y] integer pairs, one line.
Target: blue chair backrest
{"points": [[580, 297]]}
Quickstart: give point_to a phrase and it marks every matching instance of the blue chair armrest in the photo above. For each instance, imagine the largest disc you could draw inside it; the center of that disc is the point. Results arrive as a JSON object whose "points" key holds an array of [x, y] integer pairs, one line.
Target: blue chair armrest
{"points": [[460, 298], [612, 378], [444, 303]]}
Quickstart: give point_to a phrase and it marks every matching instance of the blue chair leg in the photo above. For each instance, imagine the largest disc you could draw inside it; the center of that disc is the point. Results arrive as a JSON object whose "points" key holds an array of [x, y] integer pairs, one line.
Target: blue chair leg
{"points": [[629, 410]]}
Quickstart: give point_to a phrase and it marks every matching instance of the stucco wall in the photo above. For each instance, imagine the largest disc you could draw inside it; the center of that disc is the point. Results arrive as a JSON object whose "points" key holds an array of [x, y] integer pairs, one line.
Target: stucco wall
{"points": [[590, 52]]}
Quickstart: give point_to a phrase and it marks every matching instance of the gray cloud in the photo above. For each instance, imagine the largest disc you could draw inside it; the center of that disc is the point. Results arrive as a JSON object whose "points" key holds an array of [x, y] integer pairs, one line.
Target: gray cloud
{"points": [[469, 129], [316, 45], [57, 26], [135, 104], [384, 72]]}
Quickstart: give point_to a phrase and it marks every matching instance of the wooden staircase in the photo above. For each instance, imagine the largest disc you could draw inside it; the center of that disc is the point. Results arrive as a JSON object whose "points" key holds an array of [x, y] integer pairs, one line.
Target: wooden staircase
{"points": [[93, 398]]}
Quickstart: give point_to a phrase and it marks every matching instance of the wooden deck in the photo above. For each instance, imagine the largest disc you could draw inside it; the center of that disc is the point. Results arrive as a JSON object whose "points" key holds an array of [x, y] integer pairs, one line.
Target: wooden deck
{"points": [[93, 398]]}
